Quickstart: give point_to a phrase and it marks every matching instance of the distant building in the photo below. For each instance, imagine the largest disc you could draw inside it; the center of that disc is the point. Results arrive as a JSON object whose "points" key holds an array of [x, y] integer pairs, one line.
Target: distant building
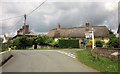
{"points": [[6, 39], [25, 31], [100, 32]]}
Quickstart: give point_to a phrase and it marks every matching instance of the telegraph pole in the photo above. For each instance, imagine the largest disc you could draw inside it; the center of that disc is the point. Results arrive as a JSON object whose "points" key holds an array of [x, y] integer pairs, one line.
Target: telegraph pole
{"points": [[24, 24], [24, 19]]}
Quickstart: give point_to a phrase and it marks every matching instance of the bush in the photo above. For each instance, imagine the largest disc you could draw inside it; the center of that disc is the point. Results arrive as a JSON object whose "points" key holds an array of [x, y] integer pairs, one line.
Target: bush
{"points": [[4, 47], [89, 43], [22, 42], [99, 43], [68, 43], [54, 43], [114, 41], [44, 40]]}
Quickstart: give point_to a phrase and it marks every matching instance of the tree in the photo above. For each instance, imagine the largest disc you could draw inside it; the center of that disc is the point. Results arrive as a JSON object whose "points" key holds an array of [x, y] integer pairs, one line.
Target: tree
{"points": [[22, 42], [44, 40], [113, 40]]}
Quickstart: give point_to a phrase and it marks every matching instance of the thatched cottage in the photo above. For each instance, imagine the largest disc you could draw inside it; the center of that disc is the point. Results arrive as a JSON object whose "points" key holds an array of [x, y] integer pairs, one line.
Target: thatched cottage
{"points": [[100, 32]]}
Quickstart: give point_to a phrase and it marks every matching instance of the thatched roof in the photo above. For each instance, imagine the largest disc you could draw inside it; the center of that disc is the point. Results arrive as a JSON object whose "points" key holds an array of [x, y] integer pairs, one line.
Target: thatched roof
{"points": [[78, 32], [28, 35]]}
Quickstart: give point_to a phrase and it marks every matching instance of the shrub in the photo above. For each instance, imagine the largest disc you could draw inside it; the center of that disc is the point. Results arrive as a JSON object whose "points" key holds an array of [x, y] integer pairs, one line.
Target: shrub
{"points": [[68, 43], [89, 43], [54, 43], [4, 47], [114, 41], [99, 43], [22, 42], [44, 40]]}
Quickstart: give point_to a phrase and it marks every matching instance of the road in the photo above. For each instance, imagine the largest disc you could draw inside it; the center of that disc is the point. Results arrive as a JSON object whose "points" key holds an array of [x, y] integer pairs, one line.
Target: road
{"points": [[43, 61]]}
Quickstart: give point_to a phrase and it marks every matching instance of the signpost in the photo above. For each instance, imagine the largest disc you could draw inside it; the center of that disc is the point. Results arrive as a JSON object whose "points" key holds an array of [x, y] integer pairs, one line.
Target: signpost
{"points": [[92, 38], [90, 34]]}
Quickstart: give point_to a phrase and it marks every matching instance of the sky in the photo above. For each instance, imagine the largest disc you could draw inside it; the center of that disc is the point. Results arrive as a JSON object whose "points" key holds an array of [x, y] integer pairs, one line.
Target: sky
{"points": [[68, 14]]}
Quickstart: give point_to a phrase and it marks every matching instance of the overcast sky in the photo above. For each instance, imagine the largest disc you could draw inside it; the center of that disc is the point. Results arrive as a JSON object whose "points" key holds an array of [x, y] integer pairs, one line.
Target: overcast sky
{"points": [[68, 14]]}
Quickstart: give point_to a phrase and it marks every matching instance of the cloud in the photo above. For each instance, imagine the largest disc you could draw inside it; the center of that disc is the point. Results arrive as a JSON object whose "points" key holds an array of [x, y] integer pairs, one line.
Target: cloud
{"points": [[68, 14]]}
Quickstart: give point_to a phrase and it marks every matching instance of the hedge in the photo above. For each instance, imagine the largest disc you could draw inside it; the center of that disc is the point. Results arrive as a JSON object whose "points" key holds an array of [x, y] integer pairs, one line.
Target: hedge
{"points": [[68, 43]]}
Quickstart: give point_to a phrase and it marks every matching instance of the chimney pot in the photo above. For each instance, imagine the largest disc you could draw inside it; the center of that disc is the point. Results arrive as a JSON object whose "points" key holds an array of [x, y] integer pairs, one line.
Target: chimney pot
{"points": [[18, 32], [87, 26], [58, 26], [26, 28]]}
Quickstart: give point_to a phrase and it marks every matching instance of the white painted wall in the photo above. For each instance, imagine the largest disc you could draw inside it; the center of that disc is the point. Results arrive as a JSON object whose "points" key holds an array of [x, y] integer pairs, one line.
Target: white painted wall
{"points": [[4, 56]]}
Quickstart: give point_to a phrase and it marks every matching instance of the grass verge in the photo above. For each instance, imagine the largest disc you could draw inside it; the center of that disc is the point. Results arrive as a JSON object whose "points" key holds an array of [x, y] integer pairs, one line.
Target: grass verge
{"points": [[101, 64]]}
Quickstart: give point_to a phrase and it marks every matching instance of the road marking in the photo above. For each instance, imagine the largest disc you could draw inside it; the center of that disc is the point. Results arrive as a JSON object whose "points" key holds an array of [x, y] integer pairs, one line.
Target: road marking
{"points": [[68, 54]]}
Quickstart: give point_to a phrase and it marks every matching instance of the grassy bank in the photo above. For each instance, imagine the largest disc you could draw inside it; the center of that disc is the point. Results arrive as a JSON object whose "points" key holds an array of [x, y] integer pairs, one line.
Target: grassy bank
{"points": [[102, 64]]}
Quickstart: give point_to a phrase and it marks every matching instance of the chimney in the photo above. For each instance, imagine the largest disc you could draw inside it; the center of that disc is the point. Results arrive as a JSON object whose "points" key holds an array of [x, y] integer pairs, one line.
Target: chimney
{"points": [[21, 30], [87, 26], [58, 26], [25, 29], [18, 32]]}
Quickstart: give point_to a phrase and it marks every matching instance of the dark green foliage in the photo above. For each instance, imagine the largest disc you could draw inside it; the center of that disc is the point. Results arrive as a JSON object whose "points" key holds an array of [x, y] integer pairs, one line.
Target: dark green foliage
{"points": [[99, 43], [68, 43], [22, 42], [4, 47], [44, 40], [54, 43], [114, 41]]}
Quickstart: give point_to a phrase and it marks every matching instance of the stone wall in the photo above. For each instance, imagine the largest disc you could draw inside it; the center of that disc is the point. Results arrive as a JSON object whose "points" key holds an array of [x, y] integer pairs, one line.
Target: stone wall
{"points": [[109, 53]]}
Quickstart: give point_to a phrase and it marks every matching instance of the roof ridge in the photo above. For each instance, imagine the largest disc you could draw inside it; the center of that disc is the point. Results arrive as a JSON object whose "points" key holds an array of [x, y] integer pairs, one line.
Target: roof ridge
{"points": [[79, 27]]}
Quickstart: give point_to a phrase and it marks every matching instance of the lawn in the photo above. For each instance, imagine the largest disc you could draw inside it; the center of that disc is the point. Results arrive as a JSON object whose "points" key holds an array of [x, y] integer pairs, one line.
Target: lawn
{"points": [[101, 64]]}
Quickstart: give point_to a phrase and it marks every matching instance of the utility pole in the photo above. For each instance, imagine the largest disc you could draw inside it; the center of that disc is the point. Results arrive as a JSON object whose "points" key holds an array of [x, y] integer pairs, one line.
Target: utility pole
{"points": [[25, 19], [24, 24]]}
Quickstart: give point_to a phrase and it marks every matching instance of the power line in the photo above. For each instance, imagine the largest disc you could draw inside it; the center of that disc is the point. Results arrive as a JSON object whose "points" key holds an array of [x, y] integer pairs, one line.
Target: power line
{"points": [[23, 15], [11, 18], [18, 21], [37, 7]]}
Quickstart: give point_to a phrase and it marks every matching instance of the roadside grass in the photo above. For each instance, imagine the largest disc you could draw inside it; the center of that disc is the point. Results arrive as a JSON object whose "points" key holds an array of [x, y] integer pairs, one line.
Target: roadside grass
{"points": [[101, 64]]}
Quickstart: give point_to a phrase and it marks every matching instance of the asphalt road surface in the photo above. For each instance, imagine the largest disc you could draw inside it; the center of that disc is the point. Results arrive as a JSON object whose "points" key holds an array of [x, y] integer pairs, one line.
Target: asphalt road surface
{"points": [[43, 61]]}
